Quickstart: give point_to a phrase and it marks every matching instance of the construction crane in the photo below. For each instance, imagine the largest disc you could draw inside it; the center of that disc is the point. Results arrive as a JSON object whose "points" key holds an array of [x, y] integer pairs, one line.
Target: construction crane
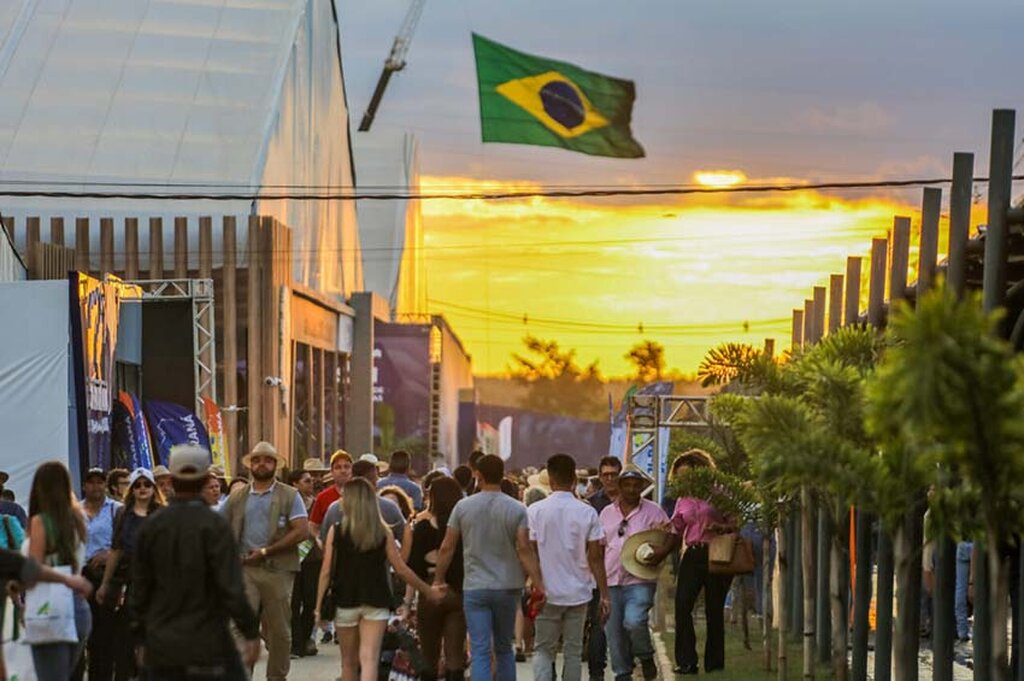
{"points": [[394, 62]]}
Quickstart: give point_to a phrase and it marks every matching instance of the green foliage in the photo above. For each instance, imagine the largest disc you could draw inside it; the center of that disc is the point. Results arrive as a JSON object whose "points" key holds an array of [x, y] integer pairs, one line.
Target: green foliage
{"points": [[949, 395], [683, 439], [557, 383], [729, 494], [743, 367], [648, 357]]}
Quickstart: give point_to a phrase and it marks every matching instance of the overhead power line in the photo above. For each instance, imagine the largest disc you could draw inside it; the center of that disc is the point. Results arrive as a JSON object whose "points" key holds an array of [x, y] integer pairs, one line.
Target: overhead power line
{"points": [[362, 195]]}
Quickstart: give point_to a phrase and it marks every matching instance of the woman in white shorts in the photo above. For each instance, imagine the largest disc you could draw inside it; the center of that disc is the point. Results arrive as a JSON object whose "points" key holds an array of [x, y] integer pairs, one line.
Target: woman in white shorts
{"points": [[356, 557]]}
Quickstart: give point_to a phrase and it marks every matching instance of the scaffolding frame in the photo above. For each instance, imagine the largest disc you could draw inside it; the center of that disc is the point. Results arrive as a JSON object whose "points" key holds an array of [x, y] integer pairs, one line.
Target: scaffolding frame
{"points": [[199, 292]]}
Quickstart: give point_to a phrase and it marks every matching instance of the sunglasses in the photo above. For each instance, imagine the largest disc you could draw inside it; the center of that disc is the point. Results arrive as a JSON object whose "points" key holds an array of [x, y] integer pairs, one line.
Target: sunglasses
{"points": [[623, 526], [142, 483]]}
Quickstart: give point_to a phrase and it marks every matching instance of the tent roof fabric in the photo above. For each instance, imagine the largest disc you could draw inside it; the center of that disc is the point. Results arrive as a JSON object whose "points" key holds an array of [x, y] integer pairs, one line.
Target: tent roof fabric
{"points": [[141, 90]]}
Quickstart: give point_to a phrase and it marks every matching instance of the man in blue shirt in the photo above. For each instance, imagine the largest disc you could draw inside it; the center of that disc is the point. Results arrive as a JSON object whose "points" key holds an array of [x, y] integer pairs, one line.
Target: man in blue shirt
{"points": [[398, 474], [11, 507], [99, 513]]}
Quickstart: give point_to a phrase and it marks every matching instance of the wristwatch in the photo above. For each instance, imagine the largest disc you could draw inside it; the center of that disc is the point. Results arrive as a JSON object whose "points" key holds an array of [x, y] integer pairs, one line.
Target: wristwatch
{"points": [[263, 551]]}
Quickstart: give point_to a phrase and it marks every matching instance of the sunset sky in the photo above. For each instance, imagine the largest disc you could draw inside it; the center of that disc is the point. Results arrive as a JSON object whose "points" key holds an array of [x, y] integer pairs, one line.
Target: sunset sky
{"points": [[796, 91]]}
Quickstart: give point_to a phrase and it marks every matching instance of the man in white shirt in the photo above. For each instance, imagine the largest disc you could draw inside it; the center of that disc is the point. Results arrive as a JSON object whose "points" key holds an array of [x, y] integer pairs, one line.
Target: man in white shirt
{"points": [[568, 537]]}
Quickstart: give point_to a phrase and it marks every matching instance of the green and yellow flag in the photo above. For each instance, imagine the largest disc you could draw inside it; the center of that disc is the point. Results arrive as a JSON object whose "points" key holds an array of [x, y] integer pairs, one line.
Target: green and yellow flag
{"points": [[525, 99]]}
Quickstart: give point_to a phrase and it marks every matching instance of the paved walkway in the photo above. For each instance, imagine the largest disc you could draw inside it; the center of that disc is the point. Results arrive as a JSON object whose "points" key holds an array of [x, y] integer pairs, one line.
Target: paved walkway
{"points": [[326, 666]]}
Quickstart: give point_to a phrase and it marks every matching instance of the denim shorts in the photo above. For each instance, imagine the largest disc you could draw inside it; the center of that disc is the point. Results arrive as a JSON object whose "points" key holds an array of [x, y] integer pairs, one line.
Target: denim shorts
{"points": [[349, 617]]}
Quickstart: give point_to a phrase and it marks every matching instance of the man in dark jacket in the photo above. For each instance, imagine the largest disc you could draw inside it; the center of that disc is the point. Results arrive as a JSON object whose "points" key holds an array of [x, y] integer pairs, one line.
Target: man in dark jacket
{"points": [[187, 585]]}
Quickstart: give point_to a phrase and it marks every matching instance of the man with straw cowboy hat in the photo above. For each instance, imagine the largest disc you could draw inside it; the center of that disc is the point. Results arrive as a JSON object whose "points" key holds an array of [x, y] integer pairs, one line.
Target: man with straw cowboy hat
{"points": [[638, 538], [268, 520]]}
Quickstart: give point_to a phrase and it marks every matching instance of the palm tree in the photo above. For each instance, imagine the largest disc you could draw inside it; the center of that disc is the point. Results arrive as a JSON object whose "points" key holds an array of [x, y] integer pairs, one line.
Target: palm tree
{"points": [[810, 440], [951, 392]]}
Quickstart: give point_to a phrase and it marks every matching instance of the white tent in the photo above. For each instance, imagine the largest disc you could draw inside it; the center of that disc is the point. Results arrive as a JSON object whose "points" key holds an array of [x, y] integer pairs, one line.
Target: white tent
{"points": [[223, 95], [391, 232]]}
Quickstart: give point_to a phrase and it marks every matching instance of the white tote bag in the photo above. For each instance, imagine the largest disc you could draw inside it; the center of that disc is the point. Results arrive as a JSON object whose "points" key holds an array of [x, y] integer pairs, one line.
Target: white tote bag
{"points": [[17, 653], [50, 612]]}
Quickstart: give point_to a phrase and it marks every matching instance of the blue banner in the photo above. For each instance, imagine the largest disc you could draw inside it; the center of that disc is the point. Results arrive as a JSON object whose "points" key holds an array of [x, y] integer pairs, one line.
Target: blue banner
{"points": [[173, 424], [131, 433]]}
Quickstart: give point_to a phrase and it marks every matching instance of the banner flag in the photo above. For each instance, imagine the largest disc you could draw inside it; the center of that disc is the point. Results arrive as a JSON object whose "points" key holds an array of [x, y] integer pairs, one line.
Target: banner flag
{"points": [[526, 99], [173, 424], [218, 443], [134, 434]]}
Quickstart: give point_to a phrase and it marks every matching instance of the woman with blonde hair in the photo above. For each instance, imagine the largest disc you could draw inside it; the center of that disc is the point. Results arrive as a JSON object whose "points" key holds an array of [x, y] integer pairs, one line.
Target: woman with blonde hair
{"points": [[357, 553], [57, 534]]}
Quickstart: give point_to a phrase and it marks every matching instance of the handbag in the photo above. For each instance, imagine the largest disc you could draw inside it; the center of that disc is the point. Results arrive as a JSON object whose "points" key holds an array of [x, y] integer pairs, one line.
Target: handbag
{"points": [[17, 653], [730, 554], [50, 612], [328, 605]]}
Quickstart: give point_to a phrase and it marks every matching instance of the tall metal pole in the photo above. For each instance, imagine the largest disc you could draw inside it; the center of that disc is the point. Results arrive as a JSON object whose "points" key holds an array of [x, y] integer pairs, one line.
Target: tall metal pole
{"points": [[864, 521]]}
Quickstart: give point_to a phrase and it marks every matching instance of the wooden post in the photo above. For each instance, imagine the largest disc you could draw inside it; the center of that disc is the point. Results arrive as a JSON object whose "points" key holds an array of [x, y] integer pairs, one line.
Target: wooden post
{"points": [[229, 340], [156, 248], [106, 245], [991, 584], [82, 244], [928, 250], [205, 248], [310, 401], [798, 331], [57, 231], [131, 248], [181, 248], [886, 557], [851, 310], [819, 313], [31, 239], [943, 619], [254, 330], [835, 302], [769, 347], [960, 220], [808, 321], [864, 521]]}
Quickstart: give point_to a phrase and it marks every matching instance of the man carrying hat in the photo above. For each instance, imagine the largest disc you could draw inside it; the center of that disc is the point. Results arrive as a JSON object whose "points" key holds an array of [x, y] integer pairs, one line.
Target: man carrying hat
{"points": [[632, 568], [268, 519], [187, 585]]}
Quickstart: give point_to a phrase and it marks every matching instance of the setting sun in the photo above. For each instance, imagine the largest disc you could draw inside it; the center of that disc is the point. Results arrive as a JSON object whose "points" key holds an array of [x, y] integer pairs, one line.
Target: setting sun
{"points": [[719, 178]]}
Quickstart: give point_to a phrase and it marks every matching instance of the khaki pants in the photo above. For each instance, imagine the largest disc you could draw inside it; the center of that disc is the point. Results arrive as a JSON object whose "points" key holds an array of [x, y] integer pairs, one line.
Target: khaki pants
{"points": [[554, 622], [270, 594]]}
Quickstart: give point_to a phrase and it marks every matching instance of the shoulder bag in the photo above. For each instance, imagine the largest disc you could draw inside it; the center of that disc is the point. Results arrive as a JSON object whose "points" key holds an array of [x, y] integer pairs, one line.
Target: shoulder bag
{"points": [[730, 554], [50, 606]]}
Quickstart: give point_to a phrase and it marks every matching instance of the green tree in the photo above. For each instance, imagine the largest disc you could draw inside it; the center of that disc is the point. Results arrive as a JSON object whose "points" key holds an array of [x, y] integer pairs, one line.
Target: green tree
{"points": [[648, 357], [557, 383], [951, 393], [808, 440], [741, 367]]}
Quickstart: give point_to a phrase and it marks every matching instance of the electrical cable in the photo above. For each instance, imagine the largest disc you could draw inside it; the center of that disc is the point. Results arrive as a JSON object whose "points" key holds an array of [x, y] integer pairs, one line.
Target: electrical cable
{"points": [[357, 195]]}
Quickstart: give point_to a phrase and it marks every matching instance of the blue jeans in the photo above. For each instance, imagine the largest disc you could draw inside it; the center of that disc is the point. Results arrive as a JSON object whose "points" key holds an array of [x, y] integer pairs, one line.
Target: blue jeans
{"points": [[963, 576], [628, 635], [56, 661], [597, 645], [491, 617]]}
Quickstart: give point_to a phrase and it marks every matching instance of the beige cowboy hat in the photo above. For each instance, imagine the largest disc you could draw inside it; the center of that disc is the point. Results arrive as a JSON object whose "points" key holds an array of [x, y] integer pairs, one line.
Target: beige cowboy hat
{"points": [[314, 465], [638, 548], [540, 481], [264, 449]]}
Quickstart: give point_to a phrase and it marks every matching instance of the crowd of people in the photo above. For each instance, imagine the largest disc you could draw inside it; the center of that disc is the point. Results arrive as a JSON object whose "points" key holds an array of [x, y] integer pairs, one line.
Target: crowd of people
{"points": [[184, 574]]}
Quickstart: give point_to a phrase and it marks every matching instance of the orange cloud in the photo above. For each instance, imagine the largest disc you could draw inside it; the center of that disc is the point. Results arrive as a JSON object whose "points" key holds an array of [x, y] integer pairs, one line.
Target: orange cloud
{"points": [[699, 269]]}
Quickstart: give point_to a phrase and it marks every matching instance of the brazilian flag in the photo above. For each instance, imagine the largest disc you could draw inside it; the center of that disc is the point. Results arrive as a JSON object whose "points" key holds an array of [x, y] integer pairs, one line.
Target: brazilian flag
{"points": [[525, 99]]}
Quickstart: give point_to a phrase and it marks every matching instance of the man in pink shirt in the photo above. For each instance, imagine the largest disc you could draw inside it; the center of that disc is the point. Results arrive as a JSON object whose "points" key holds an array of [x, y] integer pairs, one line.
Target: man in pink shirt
{"points": [[631, 597]]}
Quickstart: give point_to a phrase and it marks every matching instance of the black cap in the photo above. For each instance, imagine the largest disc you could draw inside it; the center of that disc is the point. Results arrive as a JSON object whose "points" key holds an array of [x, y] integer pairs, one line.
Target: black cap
{"points": [[95, 473]]}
